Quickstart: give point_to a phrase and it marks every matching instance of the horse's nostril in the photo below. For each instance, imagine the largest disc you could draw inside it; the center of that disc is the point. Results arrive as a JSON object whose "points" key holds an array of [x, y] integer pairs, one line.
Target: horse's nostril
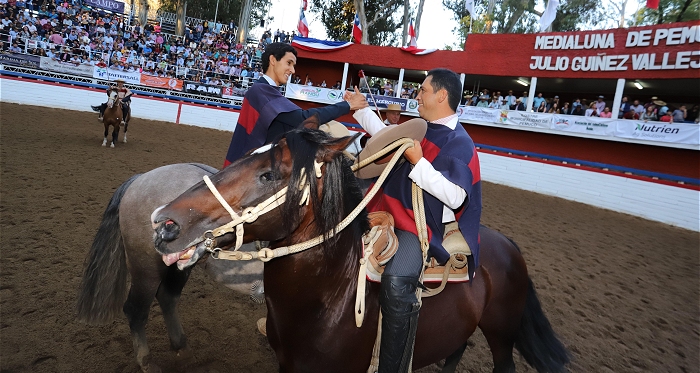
{"points": [[168, 231]]}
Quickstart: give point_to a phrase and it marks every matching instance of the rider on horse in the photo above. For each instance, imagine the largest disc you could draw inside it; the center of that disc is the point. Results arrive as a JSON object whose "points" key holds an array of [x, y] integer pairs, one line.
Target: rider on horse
{"points": [[124, 94], [445, 165]]}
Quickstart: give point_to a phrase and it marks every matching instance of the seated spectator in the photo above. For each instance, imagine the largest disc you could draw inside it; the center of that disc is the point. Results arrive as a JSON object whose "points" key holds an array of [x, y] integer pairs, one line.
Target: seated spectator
{"points": [[631, 115], [680, 114], [606, 113], [518, 106], [565, 109], [666, 117], [337, 85], [483, 101], [494, 104], [323, 84], [542, 108], [592, 110], [554, 108], [693, 115]]}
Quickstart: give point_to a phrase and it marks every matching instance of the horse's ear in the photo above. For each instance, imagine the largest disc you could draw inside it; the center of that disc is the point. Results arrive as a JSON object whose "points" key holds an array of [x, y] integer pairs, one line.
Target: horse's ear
{"points": [[311, 123], [335, 148]]}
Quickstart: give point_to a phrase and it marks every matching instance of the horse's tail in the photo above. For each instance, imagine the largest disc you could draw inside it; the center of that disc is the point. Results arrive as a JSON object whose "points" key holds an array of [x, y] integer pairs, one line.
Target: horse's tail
{"points": [[537, 342], [103, 288]]}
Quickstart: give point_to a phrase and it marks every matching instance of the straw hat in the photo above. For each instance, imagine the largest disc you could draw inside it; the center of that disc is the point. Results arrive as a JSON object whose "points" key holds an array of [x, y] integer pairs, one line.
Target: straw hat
{"points": [[413, 129], [335, 129], [391, 107], [119, 80], [659, 102]]}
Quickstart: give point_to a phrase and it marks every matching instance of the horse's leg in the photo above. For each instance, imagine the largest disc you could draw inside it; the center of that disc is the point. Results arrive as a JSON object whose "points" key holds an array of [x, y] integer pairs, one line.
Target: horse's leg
{"points": [[115, 134], [136, 308], [452, 361], [126, 125], [168, 296], [104, 142]]}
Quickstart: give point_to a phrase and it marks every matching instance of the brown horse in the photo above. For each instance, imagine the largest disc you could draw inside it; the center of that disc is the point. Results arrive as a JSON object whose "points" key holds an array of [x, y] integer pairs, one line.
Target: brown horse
{"points": [[112, 116], [310, 295]]}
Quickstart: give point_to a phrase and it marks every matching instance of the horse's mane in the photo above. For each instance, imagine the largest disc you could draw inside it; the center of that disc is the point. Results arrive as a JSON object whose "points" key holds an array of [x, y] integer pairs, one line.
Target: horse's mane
{"points": [[341, 191]]}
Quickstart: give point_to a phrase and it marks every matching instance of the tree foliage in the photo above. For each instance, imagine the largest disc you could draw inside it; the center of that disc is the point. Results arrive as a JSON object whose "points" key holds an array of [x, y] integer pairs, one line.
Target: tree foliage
{"points": [[229, 10], [337, 17], [669, 11]]}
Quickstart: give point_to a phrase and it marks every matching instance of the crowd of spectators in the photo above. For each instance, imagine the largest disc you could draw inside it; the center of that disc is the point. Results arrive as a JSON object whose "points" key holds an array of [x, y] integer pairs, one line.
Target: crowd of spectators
{"points": [[654, 109], [71, 33]]}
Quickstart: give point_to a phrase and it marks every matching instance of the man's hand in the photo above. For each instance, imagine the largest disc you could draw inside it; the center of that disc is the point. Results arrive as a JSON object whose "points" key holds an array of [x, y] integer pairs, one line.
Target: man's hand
{"points": [[356, 100], [415, 153]]}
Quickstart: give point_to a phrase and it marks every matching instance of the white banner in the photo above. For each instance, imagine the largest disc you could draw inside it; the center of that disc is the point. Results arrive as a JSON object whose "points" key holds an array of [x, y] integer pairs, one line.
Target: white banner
{"points": [[314, 94], [684, 133], [581, 124], [521, 118], [66, 67], [478, 113], [110, 74]]}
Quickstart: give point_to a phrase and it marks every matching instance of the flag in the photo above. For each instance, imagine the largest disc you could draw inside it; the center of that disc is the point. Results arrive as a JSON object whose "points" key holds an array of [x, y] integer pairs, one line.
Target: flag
{"points": [[303, 26], [469, 4], [304, 4], [412, 35], [357, 30], [417, 51], [549, 14], [653, 4], [316, 45]]}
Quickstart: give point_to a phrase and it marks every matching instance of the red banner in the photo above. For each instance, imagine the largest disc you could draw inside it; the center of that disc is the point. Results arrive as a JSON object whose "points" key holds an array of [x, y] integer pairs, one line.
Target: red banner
{"points": [[158, 82], [669, 51]]}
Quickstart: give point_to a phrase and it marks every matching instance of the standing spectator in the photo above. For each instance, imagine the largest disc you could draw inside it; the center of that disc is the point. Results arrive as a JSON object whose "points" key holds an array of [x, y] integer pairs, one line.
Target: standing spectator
{"points": [[524, 98], [625, 107], [510, 99], [693, 114], [662, 108], [537, 101], [666, 117], [494, 104], [680, 114], [600, 104], [638, 108]]}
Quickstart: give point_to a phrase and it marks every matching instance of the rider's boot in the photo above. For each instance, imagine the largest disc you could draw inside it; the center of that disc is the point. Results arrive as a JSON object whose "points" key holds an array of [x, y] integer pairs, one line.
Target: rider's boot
{"points": [[125, 111], [102, 109], [400, 307]]}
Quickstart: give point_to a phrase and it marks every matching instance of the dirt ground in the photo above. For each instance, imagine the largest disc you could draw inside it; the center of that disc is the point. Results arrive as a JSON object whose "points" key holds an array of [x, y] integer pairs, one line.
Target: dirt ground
{"points": [[622, 292]]}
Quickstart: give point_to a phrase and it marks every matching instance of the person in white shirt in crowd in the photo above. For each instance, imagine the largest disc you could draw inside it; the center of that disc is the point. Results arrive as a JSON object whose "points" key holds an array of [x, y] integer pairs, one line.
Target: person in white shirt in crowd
{"points": [[494, 104], [638, 108], [510, 99]]}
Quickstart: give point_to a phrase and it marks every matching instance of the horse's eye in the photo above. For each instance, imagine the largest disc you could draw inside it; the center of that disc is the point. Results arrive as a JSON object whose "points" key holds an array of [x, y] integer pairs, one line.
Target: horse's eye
{"points": [[269, 176]]}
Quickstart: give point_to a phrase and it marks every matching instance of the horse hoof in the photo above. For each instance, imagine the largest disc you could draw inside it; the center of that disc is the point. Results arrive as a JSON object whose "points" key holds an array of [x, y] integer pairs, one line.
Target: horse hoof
{"points": [[262, 326], [124, 141], [111, 146]]}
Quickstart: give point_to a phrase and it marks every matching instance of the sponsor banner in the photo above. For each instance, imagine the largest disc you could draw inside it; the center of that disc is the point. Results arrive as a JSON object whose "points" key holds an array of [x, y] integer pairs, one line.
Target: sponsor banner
{"points": [[66, 67], [203, 89], [111, 5], [110, 74], [521, 118], [158, 82], [17, 59], [478, 114], [384, 101], [232, 92], [314, 94], [684, 133], [580, 124], [412, 106]]}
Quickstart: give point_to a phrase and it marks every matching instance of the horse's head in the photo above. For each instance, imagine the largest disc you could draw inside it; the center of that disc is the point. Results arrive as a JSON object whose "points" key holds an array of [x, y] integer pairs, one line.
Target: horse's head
{"points": [[113, 96], [304, 161]]}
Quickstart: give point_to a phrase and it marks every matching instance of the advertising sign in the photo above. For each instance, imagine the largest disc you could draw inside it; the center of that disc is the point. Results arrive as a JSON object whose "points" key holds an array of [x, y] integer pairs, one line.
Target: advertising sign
{"points": [[684, 133], [521, 118], [480, 114], [580, 124], [159, 82], [111, 74], [17, 59], [111, 5], [233, 92], [384, 101], [203, 89], [314, 94], [66, 67]]}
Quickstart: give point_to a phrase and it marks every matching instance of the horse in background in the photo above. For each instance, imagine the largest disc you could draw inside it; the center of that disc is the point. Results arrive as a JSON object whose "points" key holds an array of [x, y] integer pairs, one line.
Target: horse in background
{"points": [[123, 246], [113, 116], [311, 294]]}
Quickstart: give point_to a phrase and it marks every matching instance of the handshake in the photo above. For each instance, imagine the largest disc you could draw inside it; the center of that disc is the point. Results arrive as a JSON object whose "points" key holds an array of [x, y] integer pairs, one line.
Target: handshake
{"points": [[356, 99]]}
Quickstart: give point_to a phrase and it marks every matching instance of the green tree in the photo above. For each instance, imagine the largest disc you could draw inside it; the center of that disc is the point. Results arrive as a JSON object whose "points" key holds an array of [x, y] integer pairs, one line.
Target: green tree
{"points": [[382, 19], [669, 11]]}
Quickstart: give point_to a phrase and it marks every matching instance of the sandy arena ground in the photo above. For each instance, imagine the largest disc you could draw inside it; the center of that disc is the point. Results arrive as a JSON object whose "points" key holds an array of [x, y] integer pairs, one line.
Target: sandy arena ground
{"points": [[622, 292]]}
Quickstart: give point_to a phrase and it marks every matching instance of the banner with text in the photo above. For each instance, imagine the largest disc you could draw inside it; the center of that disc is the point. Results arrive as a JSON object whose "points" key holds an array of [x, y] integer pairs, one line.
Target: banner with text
{"points": [[684, 133], [314, 94], [66, 67], [233, 92], [111, 75], [521, 118], [17, 59], [478, 113], [111, 5], [580, 124], [203, 89], [384, 101], [159, 82]]}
